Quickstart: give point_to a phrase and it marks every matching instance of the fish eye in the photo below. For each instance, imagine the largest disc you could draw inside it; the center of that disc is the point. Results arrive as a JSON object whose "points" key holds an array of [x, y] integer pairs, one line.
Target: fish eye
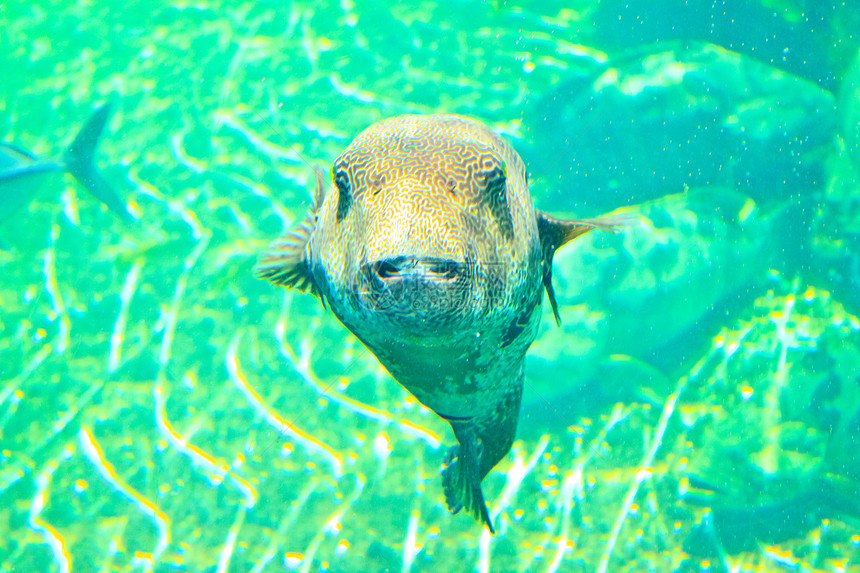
{"points": [[497, 178], [496, 192], [341, 180]]}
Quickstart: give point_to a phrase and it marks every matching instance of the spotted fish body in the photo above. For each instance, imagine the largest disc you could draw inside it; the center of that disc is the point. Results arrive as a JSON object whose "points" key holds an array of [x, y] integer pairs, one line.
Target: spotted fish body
{"points": [[428, 248]]}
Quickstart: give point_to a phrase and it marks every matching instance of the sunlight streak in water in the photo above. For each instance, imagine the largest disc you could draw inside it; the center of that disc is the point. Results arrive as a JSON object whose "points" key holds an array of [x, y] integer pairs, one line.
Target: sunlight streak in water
{"points": [[200, 457], [116, 339], [52, 537], [301, 363], [284, 426], [50, 272], [93, 452]]}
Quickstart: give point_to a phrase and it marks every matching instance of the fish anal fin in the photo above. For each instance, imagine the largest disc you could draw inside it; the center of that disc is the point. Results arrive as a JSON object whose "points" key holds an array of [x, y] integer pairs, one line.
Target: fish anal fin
{"points": [[484, 440], [550, 293], [461, 480], [555, 233]]}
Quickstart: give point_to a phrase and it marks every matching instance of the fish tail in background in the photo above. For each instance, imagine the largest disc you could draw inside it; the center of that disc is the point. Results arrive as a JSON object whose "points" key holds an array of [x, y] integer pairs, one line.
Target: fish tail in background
{"points": [[484, 440], [79, 159]]}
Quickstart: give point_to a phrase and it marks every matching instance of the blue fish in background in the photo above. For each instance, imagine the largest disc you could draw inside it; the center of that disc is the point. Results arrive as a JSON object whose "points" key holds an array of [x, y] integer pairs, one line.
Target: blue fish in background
{"points": [[21, 172]]}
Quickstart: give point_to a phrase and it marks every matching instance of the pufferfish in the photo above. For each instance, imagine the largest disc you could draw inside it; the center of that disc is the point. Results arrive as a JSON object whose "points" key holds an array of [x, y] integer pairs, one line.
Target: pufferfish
{"points": [[427, 247]]}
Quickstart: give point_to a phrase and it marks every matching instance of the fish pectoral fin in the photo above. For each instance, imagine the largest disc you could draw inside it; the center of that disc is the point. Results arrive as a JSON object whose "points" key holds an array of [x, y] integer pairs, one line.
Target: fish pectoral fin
{"points": [[461, 477], [555, 233], [287, 261]]}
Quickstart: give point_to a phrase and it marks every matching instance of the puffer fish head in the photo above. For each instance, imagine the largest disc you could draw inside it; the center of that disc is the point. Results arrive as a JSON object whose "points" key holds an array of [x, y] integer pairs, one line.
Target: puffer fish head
{"points": [[427, 228], [428, 249]]}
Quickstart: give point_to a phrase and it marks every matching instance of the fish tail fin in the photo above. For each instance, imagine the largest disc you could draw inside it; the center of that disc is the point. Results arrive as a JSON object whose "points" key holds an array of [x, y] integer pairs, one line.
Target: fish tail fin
{"points": [[461, 480], [79, 161]]}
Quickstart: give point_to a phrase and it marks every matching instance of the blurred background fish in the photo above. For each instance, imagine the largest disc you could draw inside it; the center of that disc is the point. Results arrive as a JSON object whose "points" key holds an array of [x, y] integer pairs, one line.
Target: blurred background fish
{"points": [[22, 173]]}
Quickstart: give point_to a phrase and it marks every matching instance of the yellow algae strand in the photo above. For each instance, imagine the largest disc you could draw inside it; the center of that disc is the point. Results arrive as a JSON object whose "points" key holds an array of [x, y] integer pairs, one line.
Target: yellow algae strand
{"points": [[410, 547], [230, 543], [261, 191], [50, 272], [515, 476], [332, 526], [201, 234], [643, 473], [301, 364], [420, 432], [772, 408], [572, 486], [11, 389], [226, 118], [191, 163], [70, 205], [296, 506]]}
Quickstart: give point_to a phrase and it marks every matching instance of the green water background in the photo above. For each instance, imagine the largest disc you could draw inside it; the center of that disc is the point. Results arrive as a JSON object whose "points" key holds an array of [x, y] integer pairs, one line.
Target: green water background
{"points": [[146, 376]]}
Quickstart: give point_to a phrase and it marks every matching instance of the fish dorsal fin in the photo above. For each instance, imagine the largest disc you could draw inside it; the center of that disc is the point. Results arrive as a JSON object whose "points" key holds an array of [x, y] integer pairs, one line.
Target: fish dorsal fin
{"points": [[287, 261], [319, 192], [555, 233]]}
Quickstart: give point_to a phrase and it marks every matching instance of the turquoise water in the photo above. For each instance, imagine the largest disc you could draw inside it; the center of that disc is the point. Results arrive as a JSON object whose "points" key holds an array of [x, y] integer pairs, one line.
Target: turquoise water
{"points": [[698, 410]]}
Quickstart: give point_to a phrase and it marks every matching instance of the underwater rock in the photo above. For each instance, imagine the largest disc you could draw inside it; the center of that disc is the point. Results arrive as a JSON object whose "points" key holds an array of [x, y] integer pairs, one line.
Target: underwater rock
{"points": [[777, 449], [799, 38], [849, 110], [662, 292], [656, 119], [835, 236]]}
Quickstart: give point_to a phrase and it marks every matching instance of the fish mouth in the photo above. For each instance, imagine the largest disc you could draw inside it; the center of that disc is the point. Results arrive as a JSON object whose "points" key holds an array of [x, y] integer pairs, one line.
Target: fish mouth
{"points": [[405, 268], [413, 290]]}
